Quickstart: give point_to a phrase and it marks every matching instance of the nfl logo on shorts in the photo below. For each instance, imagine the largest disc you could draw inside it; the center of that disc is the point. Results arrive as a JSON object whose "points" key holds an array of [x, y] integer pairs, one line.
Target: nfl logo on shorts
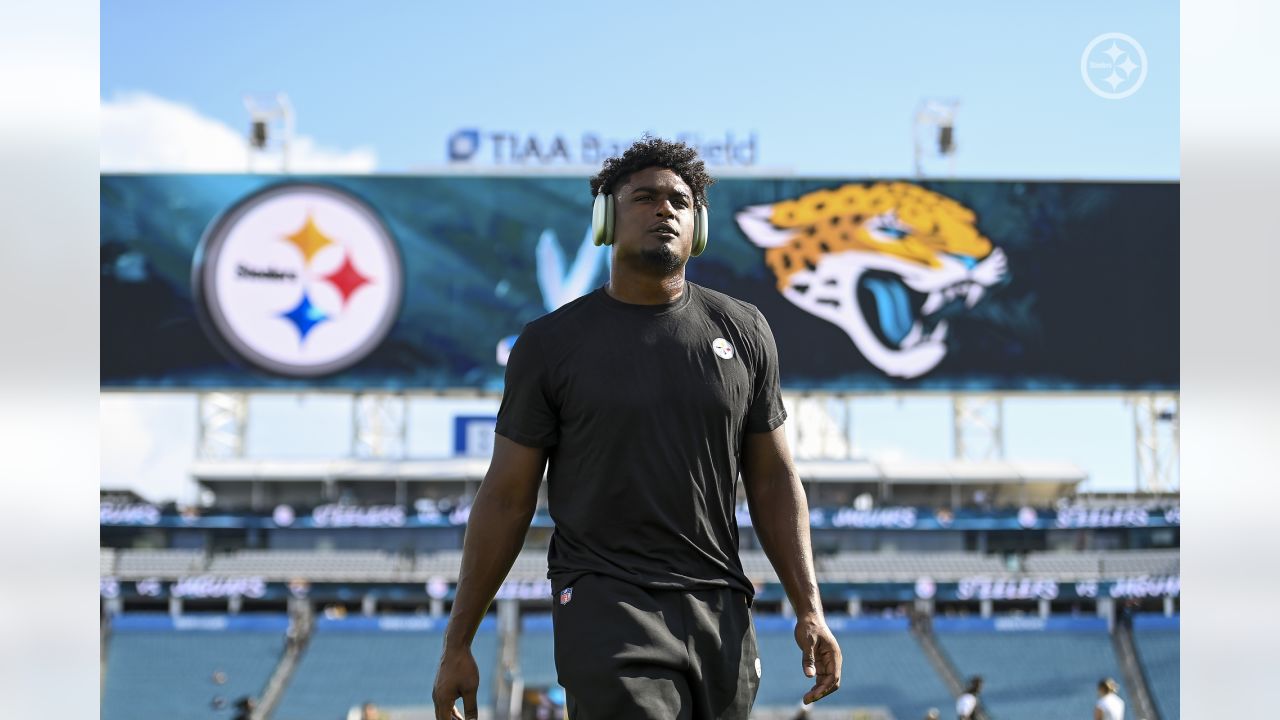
{"points": [[566, 595]]}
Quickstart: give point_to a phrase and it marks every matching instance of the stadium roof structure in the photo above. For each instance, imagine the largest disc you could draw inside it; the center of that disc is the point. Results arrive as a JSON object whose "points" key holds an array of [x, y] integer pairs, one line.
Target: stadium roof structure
{"points": [[960, 472], [950, 482], [244, 470], [925, 482], [945, 472], [121, 495]]}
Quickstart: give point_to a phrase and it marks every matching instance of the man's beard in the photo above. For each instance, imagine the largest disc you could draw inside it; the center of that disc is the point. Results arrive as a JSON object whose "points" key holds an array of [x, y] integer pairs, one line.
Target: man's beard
{"points": [[661, 260]]}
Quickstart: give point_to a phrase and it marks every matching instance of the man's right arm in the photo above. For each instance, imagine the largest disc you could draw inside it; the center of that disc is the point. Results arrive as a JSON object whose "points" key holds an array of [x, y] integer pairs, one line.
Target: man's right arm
{"points": [[499, 520]]}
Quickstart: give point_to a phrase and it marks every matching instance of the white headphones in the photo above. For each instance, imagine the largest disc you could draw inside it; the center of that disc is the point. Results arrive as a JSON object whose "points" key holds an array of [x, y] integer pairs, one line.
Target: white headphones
{"points": [[602, 224]]}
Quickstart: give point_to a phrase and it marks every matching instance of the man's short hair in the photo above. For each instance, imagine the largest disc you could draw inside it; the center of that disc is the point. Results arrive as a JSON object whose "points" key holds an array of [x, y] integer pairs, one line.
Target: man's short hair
{"points": [[655, 152]]}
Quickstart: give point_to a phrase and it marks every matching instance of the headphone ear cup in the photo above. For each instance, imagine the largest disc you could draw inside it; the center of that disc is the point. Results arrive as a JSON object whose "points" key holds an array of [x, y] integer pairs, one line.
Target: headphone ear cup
{"points": [[598, 213], [699, 232], [609, 205]]}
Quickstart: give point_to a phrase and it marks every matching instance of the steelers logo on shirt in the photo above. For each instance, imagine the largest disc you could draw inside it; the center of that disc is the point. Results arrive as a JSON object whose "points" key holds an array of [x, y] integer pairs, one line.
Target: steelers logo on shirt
{"points": [[722, 348]]}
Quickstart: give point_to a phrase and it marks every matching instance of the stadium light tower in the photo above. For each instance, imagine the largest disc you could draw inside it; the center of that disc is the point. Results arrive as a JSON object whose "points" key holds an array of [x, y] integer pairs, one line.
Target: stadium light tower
{"points": [[823, 427], [223, 418], [264, 115], [1155, 429], [380, 425], [933, 133], [977, 423]]}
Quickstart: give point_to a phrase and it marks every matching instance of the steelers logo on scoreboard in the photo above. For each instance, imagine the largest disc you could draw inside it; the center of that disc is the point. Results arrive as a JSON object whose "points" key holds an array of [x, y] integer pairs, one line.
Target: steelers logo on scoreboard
{"points": [[302, 280]]}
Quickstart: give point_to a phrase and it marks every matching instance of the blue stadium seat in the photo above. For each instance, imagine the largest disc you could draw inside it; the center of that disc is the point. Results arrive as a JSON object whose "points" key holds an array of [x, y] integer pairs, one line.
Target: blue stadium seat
{"points": [[389, 660], [883, 667], [1157, 638], [1047, 670], [159, 669], [537, 652]]}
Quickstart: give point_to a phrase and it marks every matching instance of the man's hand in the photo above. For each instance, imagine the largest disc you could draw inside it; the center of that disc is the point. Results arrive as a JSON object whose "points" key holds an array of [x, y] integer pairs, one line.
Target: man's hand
{"points": [[820, 655], [500, 516], [456, 678]]}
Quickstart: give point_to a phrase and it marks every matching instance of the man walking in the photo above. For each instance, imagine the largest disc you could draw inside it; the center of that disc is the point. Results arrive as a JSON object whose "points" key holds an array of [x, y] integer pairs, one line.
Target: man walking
{"points": [[644, 400]]}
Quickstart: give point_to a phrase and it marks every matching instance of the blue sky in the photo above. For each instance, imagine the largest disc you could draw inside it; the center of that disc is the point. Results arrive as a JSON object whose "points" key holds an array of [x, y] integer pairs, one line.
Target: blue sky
{"points": [[828, 88]]}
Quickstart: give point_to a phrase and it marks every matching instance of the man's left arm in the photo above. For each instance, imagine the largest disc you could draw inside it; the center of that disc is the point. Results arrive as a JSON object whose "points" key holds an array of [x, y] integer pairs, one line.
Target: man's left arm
{"points": [[780, 515]]}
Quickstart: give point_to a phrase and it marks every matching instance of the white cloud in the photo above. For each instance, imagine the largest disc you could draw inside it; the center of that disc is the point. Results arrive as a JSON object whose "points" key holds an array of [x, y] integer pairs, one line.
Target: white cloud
{"points": [[148, 441], [145, 133]]}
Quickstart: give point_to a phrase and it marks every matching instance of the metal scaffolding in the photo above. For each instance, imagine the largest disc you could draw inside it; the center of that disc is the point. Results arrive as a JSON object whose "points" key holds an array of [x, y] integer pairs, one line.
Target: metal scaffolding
{"points": [[823, 427], [380, 425], [978, 427], [223, 420], [1155, 442]]}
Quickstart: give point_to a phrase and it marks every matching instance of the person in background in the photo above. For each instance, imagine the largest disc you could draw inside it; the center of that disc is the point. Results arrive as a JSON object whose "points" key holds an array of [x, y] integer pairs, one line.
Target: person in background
{"points": [[369, 711], [967, 704], [244, 708], [1110, 706]]}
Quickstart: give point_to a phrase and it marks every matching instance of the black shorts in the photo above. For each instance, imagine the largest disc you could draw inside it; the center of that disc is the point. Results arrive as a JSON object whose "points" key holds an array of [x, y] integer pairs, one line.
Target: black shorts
{"points": [[625, 652]]}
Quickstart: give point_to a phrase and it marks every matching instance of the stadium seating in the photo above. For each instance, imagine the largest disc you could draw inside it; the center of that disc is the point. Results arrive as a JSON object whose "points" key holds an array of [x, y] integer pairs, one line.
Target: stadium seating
{"points": [[884, 667], [1047, 674], [161, 669], [537, 651], [531, 565], [908, 566], [757, 567], [390, 660], [347, 565], [1041, 669], [1157, 640], [137, 564], [1065, 565], [446, 563], [106, 562]]}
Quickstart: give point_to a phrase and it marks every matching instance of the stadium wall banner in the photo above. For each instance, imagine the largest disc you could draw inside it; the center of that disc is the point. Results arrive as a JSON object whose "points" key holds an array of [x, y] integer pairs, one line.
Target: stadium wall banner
{"points": [[1020, 624], [968, 589], [836, 623], [476, 146], [164, 622], [394, 623], [430, 515], [420, 283]]}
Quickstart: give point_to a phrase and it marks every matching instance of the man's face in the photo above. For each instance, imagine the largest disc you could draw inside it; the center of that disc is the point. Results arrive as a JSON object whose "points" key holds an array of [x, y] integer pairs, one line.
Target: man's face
{"points": [[653, 220]]}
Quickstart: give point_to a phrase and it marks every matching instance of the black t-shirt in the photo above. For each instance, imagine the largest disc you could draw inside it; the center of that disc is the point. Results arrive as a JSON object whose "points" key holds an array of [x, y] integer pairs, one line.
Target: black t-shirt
{"points": [[643, 410]]}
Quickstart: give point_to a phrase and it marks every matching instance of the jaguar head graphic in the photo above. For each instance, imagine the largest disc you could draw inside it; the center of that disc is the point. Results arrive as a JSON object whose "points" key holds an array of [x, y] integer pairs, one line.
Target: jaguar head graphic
{"points": [[887, 262]]}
